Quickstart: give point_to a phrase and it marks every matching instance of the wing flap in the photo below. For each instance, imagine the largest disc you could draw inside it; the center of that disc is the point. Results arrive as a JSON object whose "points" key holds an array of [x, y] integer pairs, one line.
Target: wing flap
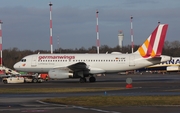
{"points": [[80, 66]]}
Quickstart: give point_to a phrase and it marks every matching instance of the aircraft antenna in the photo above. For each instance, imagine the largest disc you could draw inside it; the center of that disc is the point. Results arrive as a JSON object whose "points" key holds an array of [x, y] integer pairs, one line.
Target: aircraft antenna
{"points": [[50, 4], [159, 22], [132, 42], [1, 42], [97, 30]]}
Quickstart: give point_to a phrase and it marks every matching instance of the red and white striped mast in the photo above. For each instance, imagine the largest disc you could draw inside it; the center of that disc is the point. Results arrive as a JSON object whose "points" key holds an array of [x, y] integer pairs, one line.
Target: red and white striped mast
{"points": [[97, 30], [132, 41], [50, 4], [1, 42]]}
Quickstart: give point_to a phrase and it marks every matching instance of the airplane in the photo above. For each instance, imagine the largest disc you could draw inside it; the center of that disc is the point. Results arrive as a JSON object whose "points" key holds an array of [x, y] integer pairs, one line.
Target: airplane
{"points": [[63, 66], [171, 65]]}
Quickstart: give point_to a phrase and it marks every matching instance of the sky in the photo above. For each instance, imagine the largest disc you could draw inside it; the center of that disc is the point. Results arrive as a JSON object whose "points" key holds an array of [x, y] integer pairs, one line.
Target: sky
{"points": [[26, 23]]}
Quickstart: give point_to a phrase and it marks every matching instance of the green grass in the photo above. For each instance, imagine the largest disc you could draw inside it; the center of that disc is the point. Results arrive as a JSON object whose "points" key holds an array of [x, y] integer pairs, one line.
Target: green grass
{"points": [[55, 90], [98, 101]]}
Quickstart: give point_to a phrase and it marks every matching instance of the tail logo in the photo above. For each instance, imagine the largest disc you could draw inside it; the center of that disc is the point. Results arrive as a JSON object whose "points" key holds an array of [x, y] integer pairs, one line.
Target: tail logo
{"points": [[155, 42]]}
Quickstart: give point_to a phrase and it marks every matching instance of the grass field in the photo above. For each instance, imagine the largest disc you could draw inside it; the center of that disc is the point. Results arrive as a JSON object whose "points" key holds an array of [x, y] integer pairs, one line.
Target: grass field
{"points": [[98, 101], [103, 100], [56, 90]]}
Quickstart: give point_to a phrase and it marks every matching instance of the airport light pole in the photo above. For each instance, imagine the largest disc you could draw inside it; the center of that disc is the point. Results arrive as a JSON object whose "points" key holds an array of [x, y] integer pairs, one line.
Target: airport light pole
{"points": [[1, 43], [50, 4], [132, 40], [97, 31]]}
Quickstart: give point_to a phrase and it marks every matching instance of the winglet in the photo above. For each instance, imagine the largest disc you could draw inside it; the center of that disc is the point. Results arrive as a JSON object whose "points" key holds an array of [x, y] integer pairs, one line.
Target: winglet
{"points": [[155, 42]]}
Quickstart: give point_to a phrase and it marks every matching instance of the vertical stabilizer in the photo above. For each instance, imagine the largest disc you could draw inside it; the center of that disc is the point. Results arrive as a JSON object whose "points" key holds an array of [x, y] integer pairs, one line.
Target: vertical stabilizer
{"points": [[154, 43]]}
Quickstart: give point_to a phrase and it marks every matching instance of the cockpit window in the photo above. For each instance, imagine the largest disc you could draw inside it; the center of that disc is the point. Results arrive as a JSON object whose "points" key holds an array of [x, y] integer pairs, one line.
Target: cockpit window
{"points": [[23, 60]]}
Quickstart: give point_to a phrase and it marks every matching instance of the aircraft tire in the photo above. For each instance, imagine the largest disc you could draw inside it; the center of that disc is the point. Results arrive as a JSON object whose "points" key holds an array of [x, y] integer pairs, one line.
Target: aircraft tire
{"points": [[92, 79]]}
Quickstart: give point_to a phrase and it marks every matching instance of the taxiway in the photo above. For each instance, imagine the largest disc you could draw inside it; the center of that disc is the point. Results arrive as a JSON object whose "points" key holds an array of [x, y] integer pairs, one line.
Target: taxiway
{"points": [[147, 84]]}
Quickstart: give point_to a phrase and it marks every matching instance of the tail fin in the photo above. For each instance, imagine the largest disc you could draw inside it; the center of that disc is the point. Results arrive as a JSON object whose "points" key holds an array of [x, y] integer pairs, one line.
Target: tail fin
{"points": [[155, 42]]}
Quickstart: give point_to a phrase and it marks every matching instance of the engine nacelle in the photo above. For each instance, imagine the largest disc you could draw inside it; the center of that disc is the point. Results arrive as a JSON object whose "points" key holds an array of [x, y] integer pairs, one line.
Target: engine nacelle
{"points": [[59, 74]]}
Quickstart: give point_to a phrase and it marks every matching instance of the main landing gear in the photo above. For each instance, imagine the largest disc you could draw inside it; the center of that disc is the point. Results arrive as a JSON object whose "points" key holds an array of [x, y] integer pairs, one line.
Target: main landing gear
{"points": [[91, 79]]}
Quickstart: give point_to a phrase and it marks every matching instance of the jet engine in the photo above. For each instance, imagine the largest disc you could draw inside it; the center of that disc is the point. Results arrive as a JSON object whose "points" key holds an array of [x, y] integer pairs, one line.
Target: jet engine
{"points": [[59, 74]]}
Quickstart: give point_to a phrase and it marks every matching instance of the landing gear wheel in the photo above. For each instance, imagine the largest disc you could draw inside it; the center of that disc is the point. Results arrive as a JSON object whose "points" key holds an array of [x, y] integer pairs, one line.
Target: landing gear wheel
{"points": [[92, 79], [82, 80]]}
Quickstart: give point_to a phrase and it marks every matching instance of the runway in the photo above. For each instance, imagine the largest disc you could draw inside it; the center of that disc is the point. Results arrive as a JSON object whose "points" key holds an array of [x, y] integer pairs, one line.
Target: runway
{"points": [[147, 84]]}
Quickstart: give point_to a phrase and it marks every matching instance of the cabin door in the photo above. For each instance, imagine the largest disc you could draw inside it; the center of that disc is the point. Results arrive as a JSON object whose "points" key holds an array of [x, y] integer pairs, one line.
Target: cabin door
{"points": [[34, 61]]}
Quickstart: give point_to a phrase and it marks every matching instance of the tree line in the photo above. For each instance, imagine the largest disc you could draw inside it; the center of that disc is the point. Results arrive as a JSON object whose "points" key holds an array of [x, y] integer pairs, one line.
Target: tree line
{"points": [[13, 55]]}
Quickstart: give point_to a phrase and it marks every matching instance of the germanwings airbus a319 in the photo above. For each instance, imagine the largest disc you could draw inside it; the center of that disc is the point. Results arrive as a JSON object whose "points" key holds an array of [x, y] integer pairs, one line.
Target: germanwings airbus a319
{"points": [[62, 66]]}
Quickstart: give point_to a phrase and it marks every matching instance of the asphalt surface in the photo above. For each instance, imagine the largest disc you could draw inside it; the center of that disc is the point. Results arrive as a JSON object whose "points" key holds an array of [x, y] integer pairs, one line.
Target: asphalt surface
{"points": [[146, 84]]}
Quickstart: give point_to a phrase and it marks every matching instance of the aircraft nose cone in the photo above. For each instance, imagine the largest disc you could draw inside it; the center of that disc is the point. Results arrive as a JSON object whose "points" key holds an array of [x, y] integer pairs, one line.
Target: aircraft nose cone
{"points": [[16, 66]]}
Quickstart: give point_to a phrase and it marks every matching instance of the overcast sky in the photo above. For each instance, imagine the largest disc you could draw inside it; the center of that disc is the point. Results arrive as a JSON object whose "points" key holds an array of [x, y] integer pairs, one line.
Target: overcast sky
{"points": [[26, 22]]}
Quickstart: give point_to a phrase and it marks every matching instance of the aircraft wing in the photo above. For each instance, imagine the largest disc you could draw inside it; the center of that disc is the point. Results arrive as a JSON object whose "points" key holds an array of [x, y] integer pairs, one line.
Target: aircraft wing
{"points": [[165, 65], [80, 66]]}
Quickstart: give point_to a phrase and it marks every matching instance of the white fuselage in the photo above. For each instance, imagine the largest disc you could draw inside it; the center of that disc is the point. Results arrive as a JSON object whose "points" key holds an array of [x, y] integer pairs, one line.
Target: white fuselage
{"points": [[97, 63]]}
